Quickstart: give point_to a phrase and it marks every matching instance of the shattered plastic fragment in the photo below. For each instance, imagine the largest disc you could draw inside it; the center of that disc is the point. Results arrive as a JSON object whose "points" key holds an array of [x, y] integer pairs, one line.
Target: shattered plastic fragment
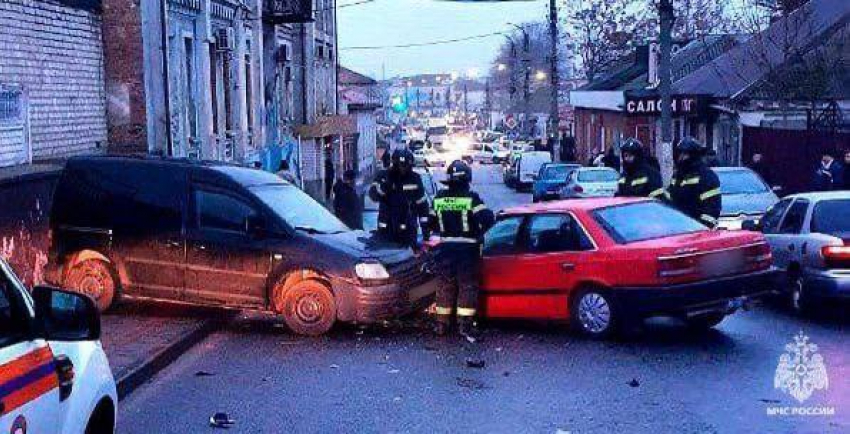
{"points": [[221, 420]]}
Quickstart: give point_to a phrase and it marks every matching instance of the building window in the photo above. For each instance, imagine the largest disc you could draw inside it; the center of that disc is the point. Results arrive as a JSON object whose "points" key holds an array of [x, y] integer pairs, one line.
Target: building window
{"points": [[249, 93], [188, 90]]}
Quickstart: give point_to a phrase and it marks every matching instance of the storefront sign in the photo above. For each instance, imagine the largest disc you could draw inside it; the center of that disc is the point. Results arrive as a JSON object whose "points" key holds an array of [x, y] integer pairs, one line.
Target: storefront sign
{"points": [[651, 105], [288, 11]]}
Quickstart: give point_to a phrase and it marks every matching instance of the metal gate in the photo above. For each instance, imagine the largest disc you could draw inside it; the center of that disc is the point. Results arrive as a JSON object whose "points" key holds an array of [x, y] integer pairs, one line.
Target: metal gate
{"points": [[14, 127]]}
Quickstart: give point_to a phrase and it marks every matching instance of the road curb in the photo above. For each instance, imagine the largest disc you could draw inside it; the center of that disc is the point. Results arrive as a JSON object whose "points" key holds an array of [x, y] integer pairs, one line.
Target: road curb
{"points": [[159, 360]]}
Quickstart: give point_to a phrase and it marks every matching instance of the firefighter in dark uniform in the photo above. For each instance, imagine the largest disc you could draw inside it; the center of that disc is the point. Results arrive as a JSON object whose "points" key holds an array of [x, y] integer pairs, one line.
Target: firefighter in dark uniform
{"points": [[639, 178], [461, 218], [694, 188], [402, 203]]}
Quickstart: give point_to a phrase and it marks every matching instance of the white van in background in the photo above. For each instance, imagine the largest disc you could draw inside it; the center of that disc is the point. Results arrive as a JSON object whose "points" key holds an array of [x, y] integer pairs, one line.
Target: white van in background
{"points": [[528, 166]]}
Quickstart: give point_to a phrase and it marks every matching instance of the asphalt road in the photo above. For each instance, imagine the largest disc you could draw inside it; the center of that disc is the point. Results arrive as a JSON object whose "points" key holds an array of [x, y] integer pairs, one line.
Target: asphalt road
{"points": [[537, 378]]}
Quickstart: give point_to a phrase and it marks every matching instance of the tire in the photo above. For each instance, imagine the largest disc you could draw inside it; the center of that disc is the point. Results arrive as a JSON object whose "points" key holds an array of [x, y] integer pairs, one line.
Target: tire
{"points": [[97, 280], [593, 313], [102, 420], [308, 308], [798, 298], [705, 322]]}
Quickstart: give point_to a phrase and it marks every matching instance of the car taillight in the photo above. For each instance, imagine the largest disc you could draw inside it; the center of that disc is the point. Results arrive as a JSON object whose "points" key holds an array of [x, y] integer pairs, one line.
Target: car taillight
{"points": [[578, 189], [836, 256], [677, 266], [759, 256]]}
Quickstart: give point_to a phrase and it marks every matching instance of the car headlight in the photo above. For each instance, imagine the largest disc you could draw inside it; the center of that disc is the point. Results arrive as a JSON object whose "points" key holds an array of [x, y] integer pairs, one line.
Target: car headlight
{"points": [[371, 271]]}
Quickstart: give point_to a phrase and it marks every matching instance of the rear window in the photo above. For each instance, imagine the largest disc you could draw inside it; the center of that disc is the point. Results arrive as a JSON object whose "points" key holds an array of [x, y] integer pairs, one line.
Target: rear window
{"points": [[598, 176], [830, 217], [644, 221], [741, 182], [557, 172]]}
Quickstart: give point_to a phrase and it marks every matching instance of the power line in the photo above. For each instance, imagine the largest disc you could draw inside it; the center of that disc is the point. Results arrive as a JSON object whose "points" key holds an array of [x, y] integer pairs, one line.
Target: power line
{"points": [[345, 5], [426, 44]]}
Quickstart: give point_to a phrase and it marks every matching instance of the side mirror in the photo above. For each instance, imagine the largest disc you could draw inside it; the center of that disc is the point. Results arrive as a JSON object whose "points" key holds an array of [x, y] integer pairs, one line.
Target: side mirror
{"points": [[751, 225], [65, 315]]}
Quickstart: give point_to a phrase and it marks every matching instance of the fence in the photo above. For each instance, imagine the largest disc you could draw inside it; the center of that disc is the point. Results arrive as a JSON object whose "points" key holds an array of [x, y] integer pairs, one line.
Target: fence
{"points": [[792, 155]]}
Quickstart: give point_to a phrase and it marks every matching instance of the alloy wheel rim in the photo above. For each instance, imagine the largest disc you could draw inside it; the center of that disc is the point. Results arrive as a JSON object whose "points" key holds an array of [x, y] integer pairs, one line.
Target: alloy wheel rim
{"points": [[309, 309], [93, 285], [797, 295], [594, 313]]}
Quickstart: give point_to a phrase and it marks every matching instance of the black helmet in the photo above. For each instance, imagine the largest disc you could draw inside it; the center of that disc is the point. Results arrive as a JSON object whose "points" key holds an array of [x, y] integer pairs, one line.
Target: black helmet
{"points": [[458, 171], [632, 146], [690, 145], [403, 158]]}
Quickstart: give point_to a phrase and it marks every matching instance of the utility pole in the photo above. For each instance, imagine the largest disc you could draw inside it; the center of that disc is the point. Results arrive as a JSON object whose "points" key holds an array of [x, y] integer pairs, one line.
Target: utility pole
{"points": [[526, 91], [554, 117], [488, 103], [465, 105], [665, 149]]}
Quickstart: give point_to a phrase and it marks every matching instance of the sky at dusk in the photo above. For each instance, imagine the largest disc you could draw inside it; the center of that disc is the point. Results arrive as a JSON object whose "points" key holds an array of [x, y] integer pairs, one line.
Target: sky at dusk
{"points": [[398, 22]]}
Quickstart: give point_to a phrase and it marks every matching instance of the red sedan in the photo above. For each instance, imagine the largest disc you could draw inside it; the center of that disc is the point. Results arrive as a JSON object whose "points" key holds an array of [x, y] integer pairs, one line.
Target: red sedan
{"points": [[601, 263]]}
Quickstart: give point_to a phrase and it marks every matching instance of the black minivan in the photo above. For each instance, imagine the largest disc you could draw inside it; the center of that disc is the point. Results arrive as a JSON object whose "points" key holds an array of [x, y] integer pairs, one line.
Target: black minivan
{"points": [[216, 234]]}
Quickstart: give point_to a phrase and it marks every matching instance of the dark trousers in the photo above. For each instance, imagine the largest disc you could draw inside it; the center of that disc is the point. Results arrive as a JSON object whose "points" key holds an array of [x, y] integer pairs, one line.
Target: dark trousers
{"points": [[457, 291]]}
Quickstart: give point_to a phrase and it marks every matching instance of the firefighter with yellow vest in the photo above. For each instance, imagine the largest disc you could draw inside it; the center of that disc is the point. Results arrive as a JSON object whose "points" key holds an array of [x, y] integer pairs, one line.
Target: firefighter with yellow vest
{"points": [[639, 179], [461, 218], [694, 188]]}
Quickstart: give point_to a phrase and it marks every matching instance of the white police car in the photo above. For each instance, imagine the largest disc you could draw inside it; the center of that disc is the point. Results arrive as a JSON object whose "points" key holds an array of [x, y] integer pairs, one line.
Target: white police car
{"points": [[54, 376]]}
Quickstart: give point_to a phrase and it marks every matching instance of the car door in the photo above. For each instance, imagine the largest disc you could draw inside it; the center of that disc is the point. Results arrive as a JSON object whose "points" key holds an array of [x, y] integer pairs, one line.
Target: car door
{"points": [[225, 264], [535, 279], [149, 232], [29, 393], [788, 242]]}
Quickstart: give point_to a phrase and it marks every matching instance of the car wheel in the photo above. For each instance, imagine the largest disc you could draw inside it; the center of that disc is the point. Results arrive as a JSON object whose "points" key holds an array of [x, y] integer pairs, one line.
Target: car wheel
{"points": [[308, 308], [705, 322], [800, 300], [593, 314], [95, 279]]}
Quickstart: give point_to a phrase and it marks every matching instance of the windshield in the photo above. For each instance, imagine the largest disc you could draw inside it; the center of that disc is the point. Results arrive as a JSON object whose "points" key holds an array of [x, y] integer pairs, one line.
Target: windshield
{"points": [[831, 217], [557, 172], [741, 182], [644, 221], [298, 209], [598, 176]]}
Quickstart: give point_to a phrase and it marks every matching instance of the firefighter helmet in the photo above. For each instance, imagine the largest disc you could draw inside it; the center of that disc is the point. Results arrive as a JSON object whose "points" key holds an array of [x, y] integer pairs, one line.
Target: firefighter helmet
{"points": [[632, 146], [403, 158], [459, 171], [690, 145]]}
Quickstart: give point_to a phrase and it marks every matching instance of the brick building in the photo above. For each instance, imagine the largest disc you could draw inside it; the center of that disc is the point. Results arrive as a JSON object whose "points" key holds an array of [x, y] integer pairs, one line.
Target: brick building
{"points": [[52, 98]]}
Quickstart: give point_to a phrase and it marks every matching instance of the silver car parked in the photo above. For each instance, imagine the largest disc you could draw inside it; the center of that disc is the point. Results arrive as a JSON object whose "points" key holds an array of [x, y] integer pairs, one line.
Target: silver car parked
{"points": [[744, 196], [591, 182], [809, 235]]}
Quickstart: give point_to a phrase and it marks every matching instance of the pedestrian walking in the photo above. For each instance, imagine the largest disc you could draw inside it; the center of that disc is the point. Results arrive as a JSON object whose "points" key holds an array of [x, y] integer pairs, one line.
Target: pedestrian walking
{"points": [[386, 159], [829, 174], [285, 173], [347, 204], [694, 188], [758, 165], [402, 203], [639, 179], [568, 149], [611, 159], [461, 218]]}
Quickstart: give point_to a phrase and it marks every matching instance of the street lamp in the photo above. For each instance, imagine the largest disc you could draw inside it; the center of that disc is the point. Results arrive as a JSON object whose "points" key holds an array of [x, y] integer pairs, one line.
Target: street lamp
{"points": [[540, 75], [501, 67]]}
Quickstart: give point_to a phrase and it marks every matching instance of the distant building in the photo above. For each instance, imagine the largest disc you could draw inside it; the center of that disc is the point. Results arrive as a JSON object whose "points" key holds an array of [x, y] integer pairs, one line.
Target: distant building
{"points": [[360, 98], [423, 95]]}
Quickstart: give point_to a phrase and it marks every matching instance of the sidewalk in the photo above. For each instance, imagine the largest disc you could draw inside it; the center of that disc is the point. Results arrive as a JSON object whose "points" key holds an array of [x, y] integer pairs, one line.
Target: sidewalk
{"points": [[140, 339]]}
